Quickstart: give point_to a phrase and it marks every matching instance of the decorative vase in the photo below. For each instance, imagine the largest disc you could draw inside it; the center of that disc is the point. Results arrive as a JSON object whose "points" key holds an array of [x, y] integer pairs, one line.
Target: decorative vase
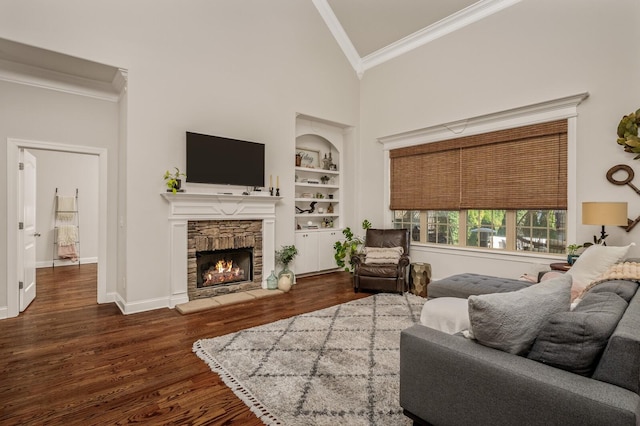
{"points": [[284, 282], [289, 272], [272, 281]]}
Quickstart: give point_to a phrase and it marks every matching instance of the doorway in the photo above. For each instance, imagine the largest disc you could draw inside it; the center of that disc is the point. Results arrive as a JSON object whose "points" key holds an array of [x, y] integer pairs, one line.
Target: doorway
{"points": [[13, 154]]}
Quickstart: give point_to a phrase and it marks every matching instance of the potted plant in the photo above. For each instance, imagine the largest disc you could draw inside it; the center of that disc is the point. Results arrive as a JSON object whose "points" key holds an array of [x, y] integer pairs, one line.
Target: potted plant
{"points": [[284, 256], [324, 179], [173, 181], [572, 253], [349, 247]]}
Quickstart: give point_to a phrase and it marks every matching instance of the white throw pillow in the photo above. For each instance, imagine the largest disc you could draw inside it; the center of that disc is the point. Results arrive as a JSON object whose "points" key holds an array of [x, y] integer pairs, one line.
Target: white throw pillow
{"points": [[510, 321], [594, 261], [383, 254]]}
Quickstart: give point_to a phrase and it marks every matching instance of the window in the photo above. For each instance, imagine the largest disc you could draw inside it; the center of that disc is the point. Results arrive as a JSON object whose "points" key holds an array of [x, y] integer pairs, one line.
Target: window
{"points": [[504, 190], [516, 230]]}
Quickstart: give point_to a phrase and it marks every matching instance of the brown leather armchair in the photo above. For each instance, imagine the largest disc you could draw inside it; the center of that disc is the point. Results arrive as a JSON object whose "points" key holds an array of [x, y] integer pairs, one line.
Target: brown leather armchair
{"points": [[389, 277]]}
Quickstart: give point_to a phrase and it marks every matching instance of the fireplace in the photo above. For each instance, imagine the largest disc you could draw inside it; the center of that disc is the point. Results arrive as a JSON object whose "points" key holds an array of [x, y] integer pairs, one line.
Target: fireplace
{"points": [[189, 208], [221, 267], [224, 256]]}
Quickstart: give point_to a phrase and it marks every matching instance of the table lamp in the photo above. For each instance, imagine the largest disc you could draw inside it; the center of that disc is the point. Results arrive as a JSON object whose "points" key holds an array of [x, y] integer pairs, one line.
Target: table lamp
{"points": [[604, 213]]}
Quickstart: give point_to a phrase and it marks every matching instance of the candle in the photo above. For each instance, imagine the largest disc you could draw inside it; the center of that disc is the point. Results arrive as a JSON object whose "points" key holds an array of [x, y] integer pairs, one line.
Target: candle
{"points": [[270, 181], [277, 181]]}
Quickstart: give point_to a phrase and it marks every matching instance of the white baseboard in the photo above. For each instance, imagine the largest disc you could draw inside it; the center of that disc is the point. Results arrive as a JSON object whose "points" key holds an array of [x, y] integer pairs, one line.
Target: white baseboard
{"points": [[4, 312], [64, 262], [141, 305]]}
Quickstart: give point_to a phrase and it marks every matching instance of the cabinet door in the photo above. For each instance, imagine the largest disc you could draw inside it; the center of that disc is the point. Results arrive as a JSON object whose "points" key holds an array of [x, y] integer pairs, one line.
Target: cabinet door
{"points": [[307, 258], [326, 240]]}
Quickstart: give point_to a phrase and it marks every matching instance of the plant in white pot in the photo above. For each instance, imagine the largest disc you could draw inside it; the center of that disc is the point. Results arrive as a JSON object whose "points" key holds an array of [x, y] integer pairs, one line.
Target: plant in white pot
{"points": [[284, 256]]}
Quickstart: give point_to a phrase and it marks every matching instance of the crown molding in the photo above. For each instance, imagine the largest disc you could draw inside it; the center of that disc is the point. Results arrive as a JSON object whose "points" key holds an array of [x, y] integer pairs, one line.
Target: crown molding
{"points": [[340, 35], [451, 23], [556, 109], [460, 19], [28, 75]]}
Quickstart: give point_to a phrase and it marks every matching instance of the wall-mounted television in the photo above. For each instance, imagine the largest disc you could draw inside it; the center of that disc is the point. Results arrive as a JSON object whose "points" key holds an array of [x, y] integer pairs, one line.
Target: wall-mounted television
{"points": [[224, 161]]}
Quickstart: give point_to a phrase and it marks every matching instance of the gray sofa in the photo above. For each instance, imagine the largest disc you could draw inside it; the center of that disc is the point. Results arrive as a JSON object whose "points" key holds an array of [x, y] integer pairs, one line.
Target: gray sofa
{"points": [[449, 380]]}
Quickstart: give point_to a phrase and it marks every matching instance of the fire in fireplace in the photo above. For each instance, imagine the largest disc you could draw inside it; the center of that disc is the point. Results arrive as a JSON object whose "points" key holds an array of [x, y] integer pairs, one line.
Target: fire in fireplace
{"points": [[224, 266]]}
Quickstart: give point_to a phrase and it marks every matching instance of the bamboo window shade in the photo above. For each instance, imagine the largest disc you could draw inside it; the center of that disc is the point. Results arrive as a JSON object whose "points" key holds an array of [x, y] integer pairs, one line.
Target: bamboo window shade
{"points": [[521, 168]]}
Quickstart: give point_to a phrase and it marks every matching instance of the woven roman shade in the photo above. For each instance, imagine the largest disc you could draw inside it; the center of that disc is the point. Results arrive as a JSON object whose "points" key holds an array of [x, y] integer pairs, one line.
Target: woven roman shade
{"points": [[521, 168]]}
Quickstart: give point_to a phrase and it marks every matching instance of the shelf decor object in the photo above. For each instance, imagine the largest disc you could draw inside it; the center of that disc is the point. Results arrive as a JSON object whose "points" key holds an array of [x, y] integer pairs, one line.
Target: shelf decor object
{"points": [[309, 158]]}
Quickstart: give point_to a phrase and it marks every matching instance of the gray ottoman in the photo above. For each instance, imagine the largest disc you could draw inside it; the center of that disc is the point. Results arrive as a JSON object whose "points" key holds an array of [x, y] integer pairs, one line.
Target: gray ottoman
{"points": [[465, 285]]}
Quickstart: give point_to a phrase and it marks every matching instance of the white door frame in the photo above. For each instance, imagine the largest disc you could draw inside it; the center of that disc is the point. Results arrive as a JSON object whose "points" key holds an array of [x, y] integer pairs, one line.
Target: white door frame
{"points": [[13, 157]]}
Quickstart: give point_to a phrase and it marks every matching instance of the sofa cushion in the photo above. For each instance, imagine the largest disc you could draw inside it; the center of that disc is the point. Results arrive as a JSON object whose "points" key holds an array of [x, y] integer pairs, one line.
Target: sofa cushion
{"points": [[383, 254], [620, 362], [574, 341], [594, 261], [511, 321], [465, 285], [623, 288]]}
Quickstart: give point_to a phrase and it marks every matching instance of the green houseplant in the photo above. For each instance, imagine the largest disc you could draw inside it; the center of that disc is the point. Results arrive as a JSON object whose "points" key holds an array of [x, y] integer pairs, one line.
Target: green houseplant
{"points": [[572, 253], [349, 247], [173, 181], [284, 256]]}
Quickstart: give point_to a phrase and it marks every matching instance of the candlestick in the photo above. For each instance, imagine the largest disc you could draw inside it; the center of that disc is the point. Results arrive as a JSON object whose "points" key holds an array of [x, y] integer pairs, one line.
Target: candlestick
{"points": [[277, 192], [270, 181]]}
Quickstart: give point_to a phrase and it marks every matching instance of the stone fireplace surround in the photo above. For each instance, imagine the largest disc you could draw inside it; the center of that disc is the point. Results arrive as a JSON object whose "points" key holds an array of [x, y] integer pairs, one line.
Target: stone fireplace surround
{"points": [[216, 235], [185, 207]]}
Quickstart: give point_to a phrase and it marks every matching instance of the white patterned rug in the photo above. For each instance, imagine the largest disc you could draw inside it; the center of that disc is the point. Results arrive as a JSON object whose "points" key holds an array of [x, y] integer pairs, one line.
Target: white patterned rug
{"points": [[336, 366]]}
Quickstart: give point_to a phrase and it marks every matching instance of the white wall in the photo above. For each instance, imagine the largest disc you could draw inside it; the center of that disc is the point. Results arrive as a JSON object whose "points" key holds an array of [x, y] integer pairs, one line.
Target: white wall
{"points": [[532, 52], [66, 171], [44, 115], [240, 69]]}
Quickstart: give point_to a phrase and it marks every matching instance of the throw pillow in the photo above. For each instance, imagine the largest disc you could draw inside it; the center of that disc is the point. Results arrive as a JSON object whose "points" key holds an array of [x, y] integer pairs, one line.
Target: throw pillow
{"points": [[511, 321], [574, 341], [594, 261], [383, 254]]}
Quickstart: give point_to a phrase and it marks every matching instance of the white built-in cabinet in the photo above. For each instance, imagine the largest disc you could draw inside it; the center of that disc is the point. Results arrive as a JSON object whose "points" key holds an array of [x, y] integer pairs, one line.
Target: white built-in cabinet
{"points": [[317, 231], [316, 250]]}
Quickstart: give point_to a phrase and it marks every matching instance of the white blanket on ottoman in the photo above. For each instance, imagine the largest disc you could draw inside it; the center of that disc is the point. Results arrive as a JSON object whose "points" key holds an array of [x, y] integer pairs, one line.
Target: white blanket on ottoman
{"points": [[447, 314]]}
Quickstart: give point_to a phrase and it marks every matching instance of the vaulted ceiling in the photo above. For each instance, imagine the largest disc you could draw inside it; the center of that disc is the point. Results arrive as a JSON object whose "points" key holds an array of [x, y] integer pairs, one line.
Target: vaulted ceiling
{"points": [[371, 32]]}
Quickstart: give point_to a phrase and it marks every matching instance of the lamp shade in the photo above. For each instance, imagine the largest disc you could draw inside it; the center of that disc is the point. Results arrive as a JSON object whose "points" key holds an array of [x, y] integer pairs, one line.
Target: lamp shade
{"points": [[604, 213]]}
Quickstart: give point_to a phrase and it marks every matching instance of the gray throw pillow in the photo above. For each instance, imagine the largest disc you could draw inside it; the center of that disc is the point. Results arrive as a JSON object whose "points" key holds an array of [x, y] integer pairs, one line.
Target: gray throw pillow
{"points": [[511, 321], [574, 341]]}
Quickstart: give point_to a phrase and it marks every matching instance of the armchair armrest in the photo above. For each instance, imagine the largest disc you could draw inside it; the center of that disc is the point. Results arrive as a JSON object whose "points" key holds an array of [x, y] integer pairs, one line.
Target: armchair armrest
{"points": [[357, 260]]}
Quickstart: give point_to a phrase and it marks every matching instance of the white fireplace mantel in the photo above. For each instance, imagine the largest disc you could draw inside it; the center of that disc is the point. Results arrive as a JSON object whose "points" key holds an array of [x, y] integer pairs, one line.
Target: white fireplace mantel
{"points": [[185, 206]]}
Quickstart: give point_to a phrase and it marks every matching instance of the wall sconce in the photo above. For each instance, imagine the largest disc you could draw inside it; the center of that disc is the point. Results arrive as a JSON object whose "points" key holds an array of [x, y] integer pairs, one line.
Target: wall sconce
{"points": [[604, 213]]}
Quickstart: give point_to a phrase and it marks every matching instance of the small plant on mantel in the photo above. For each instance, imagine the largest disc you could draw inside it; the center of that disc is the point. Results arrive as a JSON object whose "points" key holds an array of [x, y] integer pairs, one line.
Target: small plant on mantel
{"points": [[173, 181]]}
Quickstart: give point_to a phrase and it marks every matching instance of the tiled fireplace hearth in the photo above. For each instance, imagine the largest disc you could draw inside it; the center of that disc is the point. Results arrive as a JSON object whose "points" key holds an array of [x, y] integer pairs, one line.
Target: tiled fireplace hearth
{"points": [[201, 224]]}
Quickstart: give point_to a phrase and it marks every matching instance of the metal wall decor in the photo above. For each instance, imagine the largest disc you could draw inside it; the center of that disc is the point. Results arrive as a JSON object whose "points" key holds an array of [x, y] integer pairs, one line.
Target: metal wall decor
{"points": [[630, 175]]}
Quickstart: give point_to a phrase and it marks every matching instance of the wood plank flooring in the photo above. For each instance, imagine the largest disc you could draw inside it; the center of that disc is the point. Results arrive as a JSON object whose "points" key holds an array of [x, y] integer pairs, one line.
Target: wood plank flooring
{"points": [[69, 361]]}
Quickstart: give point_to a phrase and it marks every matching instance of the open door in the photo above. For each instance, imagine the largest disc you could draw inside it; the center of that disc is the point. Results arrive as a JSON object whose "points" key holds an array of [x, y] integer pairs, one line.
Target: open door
{"points": [[27, 229]]}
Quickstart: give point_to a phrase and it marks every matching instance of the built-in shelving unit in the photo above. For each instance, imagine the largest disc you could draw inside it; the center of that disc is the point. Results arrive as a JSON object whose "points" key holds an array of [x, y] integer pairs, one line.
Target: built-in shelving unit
{"points": [[319, 180]]}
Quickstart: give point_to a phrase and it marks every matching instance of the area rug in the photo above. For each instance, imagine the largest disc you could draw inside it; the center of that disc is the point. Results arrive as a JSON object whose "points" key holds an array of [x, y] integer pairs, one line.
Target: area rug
{"points": [[336, 366]]}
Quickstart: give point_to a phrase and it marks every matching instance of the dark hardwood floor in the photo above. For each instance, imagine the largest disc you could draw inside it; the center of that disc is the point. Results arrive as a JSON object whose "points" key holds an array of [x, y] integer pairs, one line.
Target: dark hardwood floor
{"points": [[67, 360]]}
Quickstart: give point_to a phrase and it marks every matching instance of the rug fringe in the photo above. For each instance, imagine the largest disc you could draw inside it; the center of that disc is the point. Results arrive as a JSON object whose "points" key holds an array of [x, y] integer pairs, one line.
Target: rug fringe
{"points": [[256, 407]]}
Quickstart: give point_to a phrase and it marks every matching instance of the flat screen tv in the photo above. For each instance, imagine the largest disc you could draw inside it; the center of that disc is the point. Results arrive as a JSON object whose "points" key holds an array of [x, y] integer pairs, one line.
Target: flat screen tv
{"points": [[224, 161]]}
